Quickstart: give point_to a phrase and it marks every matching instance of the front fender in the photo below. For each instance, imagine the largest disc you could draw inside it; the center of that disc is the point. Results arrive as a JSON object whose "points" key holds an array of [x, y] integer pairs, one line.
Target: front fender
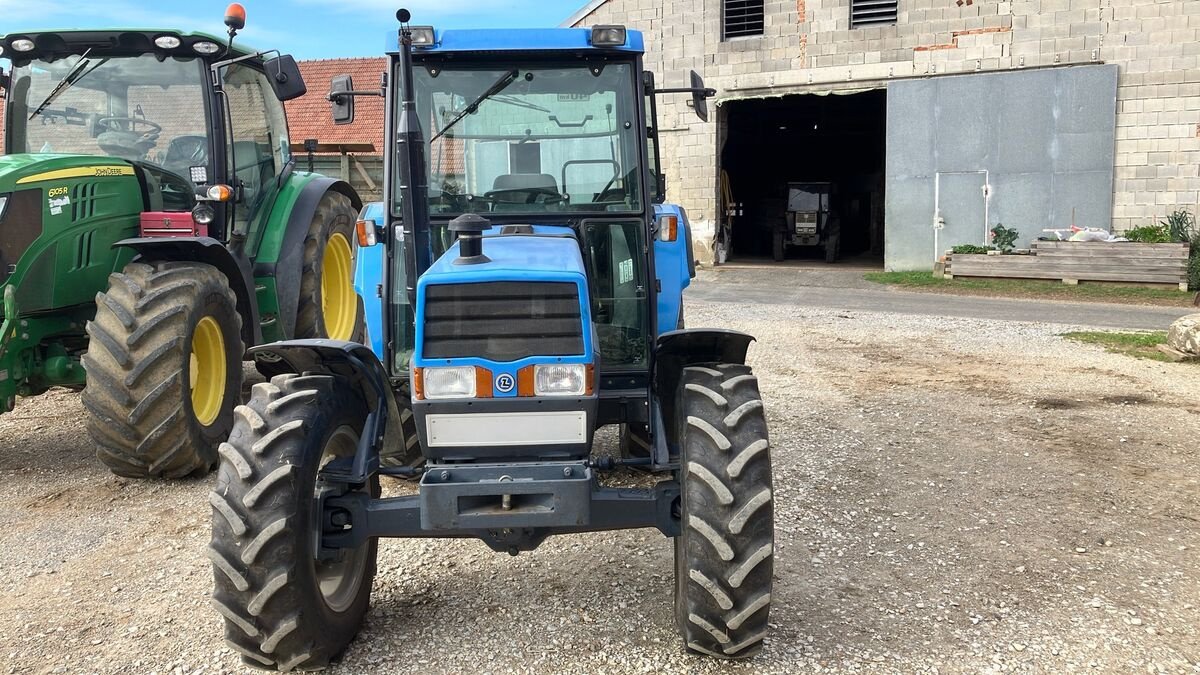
{"points": [[279, 254], [210, 252], [357, 365], [679, 349]]}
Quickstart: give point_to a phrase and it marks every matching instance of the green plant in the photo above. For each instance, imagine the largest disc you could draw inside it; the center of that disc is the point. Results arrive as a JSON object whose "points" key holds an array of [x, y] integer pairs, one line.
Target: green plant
{"points": [[966, 249], [1150, 234], [1004, 238], [1181, 225]]}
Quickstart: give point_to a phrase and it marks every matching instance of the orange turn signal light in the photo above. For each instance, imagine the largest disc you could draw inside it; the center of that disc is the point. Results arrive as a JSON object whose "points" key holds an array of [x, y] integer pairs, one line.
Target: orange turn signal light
{"points": [[668, 228], [220, 193], [366, 233]]}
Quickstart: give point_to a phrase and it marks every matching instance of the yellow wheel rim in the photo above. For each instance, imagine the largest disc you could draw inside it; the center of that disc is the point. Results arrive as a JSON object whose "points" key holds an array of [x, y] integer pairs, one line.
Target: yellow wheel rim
{"points": [[207, 370], [338, 302]]}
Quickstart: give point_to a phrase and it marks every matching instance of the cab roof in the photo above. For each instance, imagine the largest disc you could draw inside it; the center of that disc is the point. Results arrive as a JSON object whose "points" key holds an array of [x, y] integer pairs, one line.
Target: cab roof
{"points": [[517, 40], [113, 43]]}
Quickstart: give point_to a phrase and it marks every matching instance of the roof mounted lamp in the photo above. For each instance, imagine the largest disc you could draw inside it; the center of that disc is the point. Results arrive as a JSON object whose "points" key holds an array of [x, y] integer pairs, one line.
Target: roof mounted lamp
{"points": [[609, 36], [235, 20]]}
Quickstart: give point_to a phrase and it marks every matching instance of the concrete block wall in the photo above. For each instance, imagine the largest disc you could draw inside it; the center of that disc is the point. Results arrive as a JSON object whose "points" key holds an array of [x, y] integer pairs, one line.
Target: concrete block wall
{"points": [[808, 46]]}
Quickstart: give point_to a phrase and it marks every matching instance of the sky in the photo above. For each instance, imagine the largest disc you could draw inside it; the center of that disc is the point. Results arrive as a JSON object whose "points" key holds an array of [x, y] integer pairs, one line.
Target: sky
{"points": [[307, 29]]}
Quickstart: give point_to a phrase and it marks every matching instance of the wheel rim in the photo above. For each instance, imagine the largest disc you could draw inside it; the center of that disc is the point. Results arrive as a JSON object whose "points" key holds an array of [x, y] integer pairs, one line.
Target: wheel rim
{"points": [[338, 304], [340, 580], [207, 370]]}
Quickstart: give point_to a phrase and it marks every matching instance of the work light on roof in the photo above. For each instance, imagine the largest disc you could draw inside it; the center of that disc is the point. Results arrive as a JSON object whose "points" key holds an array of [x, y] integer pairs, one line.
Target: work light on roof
{"points": [[167, 42], [608, 36], [23, 45], [422, 36], [205, 47]]}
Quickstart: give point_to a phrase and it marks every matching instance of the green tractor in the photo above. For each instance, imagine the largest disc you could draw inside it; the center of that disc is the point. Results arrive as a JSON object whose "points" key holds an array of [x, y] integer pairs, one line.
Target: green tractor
{"points": [[153, 226]]}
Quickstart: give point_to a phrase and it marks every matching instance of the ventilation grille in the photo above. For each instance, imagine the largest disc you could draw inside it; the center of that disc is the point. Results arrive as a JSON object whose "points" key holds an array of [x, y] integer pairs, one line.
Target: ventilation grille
{"points": [[864, 13], [743, 18], [502, 320], [83, 201]]}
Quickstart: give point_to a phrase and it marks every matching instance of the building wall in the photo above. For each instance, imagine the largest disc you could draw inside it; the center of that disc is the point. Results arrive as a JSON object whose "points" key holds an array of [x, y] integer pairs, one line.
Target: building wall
{"points": [[808, 46]]}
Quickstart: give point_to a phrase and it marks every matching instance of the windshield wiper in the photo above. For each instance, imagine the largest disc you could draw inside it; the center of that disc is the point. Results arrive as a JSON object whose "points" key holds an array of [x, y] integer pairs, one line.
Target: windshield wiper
{"points": [[497, 87], [520, 104], [76, 74]]}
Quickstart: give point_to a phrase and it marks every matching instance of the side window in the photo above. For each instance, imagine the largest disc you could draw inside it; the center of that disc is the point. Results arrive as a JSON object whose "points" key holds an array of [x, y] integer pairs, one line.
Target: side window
{"points": [[258, 138]]}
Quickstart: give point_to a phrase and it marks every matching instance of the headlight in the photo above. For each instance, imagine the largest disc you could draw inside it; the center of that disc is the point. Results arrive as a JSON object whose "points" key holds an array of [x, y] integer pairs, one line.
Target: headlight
{"points": [[23, 45], [560, 380], [205, 47], [454, 382], [167, 42]]}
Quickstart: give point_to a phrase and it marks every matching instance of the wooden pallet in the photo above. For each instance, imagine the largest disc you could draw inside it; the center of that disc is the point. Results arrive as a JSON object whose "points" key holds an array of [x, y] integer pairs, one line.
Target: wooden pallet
{"points": [[1072, 262]]}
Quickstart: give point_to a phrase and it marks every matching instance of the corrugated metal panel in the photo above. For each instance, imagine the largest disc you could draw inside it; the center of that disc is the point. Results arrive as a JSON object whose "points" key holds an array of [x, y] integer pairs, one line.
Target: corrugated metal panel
{"points": [[1043, 141]]}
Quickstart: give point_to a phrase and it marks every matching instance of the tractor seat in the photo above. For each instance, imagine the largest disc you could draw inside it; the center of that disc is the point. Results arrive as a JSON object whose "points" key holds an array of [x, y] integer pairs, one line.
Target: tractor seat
{"points": [[525, 181]]}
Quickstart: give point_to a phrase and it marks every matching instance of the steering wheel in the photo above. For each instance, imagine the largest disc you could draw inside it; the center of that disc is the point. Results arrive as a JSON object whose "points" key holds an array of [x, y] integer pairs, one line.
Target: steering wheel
{"points": [[128, 124], [532, 195]]}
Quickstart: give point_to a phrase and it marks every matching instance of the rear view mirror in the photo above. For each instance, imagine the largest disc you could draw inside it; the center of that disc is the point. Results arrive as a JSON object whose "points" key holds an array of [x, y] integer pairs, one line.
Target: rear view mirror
{"points": [[285, 77], [700, 97], [341, 100]]}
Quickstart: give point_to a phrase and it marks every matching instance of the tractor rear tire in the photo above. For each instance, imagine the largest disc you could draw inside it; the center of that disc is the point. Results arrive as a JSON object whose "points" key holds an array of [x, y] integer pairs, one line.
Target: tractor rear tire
{"points": [[284, 610], [724, 554], [329, 307], [164, 369]]}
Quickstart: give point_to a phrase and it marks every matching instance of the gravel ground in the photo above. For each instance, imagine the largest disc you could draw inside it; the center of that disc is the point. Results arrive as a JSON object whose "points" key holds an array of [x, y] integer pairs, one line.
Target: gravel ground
{"points": [[951, 495]]}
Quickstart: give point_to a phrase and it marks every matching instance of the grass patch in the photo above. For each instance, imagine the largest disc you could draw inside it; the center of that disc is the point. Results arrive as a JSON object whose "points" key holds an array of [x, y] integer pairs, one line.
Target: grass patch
{"points": [[1033, 288], [1142, 345]]}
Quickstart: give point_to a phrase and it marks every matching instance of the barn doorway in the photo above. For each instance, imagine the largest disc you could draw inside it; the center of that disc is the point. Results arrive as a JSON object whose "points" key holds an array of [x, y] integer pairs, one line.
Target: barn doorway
{"points": [[803, 177]]}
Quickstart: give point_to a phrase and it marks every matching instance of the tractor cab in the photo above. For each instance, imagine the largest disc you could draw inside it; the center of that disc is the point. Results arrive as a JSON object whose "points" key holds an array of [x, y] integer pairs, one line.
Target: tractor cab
{"points": [[155, 101]]}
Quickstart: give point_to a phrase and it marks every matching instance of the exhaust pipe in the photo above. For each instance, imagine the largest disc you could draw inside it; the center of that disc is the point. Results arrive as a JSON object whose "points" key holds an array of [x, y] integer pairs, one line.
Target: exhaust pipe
{"points": [[470, 228]]}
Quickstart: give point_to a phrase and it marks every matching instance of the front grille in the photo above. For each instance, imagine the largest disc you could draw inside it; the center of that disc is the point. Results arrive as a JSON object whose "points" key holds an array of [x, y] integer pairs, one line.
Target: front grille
{"points": [[502, 320]]}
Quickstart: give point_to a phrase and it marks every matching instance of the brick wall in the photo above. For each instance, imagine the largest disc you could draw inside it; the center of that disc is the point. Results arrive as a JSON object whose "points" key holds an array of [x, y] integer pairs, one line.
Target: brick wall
{"points": [[808, 46]]}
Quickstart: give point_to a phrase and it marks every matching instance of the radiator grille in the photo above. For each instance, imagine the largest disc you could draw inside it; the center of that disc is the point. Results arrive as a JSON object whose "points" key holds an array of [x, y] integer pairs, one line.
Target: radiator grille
{"points": [[502, 320]]}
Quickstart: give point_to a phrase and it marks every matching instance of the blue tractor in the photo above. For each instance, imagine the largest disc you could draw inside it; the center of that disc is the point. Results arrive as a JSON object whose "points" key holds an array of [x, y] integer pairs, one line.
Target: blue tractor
{"points": [[530, 294]]}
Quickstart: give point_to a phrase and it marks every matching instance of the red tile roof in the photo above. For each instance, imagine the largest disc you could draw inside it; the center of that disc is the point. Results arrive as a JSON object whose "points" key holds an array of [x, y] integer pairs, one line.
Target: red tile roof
{"points": [[309, 115]]}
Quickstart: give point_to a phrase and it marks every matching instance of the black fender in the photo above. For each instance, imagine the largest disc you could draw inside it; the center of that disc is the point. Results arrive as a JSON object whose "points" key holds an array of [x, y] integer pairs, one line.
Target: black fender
{"points": [[358, 366], [679, 349], [288, 269], [211, 252]]}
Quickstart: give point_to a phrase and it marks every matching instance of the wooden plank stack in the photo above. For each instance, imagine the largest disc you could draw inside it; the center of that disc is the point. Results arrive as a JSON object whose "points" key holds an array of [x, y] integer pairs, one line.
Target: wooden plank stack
{"points": [[1076, 261]]}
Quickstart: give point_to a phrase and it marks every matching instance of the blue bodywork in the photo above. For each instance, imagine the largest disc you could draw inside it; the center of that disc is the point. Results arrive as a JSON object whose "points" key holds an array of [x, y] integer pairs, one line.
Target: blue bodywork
{"points": [[674, 267], [368, 280], [551, 254], [516, 40]]}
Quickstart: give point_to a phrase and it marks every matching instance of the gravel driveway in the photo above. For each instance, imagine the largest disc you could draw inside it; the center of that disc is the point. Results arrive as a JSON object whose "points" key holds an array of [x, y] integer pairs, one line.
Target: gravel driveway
{"points": [[951, 494]]}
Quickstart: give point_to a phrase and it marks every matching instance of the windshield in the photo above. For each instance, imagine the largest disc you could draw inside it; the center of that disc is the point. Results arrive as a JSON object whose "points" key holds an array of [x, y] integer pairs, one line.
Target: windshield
{"points": [[134, 108], [530, 139]]}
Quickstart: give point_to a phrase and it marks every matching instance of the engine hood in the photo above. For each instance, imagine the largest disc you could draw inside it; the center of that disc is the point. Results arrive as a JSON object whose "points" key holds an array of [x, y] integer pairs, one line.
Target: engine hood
{"points": [[546, 253]]}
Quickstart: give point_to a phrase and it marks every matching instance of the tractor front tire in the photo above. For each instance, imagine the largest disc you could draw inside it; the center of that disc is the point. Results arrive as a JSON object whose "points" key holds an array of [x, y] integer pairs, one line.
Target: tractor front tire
{"points": [[724, 554], [285, 610], [329, 306], [778, 246], [164, 369]]}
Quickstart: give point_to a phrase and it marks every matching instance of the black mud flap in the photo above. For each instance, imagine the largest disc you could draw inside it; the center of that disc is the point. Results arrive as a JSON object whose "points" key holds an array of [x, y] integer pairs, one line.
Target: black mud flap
{"points": [[679, 349], [360, 367]]}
